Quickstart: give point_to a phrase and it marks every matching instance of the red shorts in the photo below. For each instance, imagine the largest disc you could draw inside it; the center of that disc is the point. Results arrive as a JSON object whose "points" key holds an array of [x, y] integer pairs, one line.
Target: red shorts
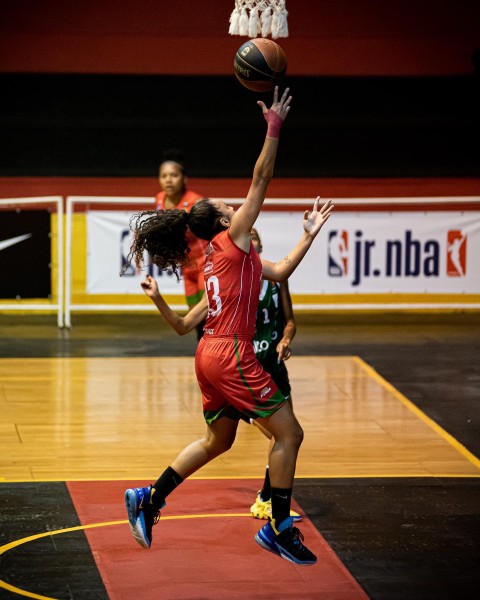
{"points": [[229, 375]]}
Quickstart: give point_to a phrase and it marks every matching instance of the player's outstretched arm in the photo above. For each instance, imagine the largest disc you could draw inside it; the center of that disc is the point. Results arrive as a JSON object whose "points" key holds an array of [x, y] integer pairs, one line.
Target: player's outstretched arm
{"points": [[313, 221], [181, 325], [245, 217]]}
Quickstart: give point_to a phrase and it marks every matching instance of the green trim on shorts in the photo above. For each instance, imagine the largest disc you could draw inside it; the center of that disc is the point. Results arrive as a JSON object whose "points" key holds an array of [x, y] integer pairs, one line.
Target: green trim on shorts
{"points": [[213, 415], [270, 406], [260, 410], [194, 298]]}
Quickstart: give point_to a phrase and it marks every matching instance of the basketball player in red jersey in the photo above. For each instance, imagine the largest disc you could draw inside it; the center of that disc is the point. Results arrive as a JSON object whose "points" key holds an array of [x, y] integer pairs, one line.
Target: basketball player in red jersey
{"points": [[175, 194], [225, 364]]}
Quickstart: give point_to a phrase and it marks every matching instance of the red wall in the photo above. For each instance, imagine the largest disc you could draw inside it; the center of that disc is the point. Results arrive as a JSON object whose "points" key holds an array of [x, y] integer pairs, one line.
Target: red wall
{"points": [[21, 187], [342, 37]]}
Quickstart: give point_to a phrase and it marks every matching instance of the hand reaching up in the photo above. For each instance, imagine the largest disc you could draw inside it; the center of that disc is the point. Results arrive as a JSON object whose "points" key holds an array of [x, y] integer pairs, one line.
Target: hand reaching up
{"points": [[313, 221], [277, 113]]}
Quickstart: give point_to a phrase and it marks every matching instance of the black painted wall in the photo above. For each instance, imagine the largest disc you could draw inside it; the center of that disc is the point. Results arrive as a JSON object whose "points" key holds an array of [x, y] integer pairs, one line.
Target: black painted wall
{"points": [[119, 125]]}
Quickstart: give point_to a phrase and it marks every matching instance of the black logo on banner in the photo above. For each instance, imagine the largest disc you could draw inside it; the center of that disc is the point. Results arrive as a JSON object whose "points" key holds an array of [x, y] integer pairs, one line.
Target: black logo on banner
{"points": [[128, 268], [25, 254]]}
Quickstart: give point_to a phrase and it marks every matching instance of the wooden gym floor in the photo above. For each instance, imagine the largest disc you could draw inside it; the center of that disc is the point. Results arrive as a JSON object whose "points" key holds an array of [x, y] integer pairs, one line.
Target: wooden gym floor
{"points": [[388, 475]]}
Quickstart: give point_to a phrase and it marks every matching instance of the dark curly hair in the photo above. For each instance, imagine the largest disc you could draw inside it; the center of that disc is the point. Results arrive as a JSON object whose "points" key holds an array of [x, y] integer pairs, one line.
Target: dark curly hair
{"points": [[163, 234], [204, 220]]}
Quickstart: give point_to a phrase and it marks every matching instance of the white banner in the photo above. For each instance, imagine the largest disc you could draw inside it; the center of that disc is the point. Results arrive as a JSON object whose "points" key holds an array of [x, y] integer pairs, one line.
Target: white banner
{"points": [[108, 244], [361, 252], [381, 252]]}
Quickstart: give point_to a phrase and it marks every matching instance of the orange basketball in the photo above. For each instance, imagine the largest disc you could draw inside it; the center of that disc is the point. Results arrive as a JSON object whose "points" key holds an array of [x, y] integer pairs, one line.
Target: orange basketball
{"points": [[260, 64]]}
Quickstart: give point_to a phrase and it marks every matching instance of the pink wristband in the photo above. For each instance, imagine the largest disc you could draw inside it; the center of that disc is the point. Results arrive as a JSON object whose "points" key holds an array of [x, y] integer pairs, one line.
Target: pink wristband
{"points": [[275, 123]]}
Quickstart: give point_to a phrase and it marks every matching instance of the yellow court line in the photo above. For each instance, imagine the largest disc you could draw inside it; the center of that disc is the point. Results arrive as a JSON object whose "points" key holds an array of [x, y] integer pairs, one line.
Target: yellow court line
{"points": [[20, 592], [32, 538], [392, 476], [420, 414], [37, 536], [256, 477]]}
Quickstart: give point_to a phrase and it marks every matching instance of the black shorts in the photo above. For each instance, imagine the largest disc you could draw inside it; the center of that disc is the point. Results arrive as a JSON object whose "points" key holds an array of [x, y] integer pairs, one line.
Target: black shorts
{"points": [[279, 374]]}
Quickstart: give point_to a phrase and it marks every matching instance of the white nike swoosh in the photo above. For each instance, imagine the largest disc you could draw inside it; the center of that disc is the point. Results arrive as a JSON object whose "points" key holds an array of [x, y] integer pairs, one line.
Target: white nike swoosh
{"points": [[13, 241]]}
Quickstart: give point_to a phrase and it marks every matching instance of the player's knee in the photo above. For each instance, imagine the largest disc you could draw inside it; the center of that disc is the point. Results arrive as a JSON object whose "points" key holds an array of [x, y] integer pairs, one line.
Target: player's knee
{"points": [[297, 435], [293, 436], [217, 446]]}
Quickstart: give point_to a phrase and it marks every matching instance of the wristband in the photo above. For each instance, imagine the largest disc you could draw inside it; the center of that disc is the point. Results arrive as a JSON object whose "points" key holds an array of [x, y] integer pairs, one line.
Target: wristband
{"points": [[275, 123]]}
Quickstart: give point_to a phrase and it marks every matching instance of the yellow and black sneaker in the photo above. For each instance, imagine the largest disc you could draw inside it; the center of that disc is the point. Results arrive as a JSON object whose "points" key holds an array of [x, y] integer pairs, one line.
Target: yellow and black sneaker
{"points": [[262, 509]]}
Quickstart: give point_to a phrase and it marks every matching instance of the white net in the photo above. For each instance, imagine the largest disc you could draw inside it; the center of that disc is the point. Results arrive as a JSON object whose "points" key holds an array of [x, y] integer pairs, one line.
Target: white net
{"points": [[259, 18]]}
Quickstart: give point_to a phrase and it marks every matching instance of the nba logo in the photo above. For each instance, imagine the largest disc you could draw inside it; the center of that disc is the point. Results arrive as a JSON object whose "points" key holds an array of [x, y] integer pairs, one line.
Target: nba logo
{"points": [[456, 253], [337, 253]]}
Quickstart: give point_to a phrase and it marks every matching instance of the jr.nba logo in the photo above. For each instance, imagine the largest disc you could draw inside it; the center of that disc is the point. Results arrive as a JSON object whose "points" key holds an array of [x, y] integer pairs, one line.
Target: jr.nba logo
{"points": [[337, 253], [456, 253]]}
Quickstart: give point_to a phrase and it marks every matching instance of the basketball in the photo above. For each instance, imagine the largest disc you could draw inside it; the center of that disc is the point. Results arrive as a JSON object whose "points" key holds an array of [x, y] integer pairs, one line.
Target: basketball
{"points": [[260, 64]]}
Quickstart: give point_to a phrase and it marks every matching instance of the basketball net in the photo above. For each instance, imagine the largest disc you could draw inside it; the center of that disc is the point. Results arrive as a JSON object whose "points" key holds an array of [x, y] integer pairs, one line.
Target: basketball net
{"points": [[255, 18]]}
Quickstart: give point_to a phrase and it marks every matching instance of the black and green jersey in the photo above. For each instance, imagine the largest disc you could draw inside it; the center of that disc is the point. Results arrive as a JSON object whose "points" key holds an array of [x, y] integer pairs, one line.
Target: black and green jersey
{"points": [[270, 321]]}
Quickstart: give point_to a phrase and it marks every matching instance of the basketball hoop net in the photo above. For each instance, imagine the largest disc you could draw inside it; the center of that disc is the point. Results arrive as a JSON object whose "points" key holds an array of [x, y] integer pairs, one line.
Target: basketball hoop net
{"points": [[255, 18]]}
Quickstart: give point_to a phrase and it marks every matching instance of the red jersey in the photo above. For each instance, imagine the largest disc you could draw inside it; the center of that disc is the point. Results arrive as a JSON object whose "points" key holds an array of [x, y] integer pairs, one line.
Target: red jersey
{"points": [[189, 198], [232, 283]]}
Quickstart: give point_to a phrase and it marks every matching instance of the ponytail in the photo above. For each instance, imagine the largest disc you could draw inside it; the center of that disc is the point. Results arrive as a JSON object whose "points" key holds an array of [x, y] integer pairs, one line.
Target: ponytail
{"points": [[161, 234]]}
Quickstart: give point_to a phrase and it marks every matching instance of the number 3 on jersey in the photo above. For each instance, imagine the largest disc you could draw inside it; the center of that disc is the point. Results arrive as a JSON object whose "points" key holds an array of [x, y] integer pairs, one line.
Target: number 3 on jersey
{"points": [[213, 291]]}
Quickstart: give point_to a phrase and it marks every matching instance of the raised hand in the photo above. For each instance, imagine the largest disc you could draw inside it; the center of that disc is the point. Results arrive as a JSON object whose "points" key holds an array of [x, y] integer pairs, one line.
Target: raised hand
{"points": [[313, 221], [277, 113]]}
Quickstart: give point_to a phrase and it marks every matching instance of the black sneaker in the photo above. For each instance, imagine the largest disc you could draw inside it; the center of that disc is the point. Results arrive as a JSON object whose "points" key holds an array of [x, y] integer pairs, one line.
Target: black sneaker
{"points": [[286, 540], [289, 543]]}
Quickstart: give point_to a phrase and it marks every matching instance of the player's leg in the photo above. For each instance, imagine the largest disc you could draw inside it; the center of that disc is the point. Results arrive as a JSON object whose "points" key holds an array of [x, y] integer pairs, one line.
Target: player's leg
{"points": [[239, 377], [288, 435], [262, 429], [219, 437], [262, 507], [144, 504], [279, 535]]}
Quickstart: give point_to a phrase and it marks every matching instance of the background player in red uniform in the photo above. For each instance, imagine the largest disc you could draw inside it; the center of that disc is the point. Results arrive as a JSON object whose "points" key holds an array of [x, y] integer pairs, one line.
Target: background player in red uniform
{"points": [[225, 364], [176, 194]]}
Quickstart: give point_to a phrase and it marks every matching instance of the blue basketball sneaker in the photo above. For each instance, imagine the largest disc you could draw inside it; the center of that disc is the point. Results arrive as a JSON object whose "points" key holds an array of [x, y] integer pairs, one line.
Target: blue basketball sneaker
{"points": [[286, 541], [142, 514]]}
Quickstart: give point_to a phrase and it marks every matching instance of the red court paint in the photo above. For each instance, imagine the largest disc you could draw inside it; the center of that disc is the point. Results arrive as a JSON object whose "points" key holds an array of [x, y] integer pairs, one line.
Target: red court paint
{"points": [[203, 558]]}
